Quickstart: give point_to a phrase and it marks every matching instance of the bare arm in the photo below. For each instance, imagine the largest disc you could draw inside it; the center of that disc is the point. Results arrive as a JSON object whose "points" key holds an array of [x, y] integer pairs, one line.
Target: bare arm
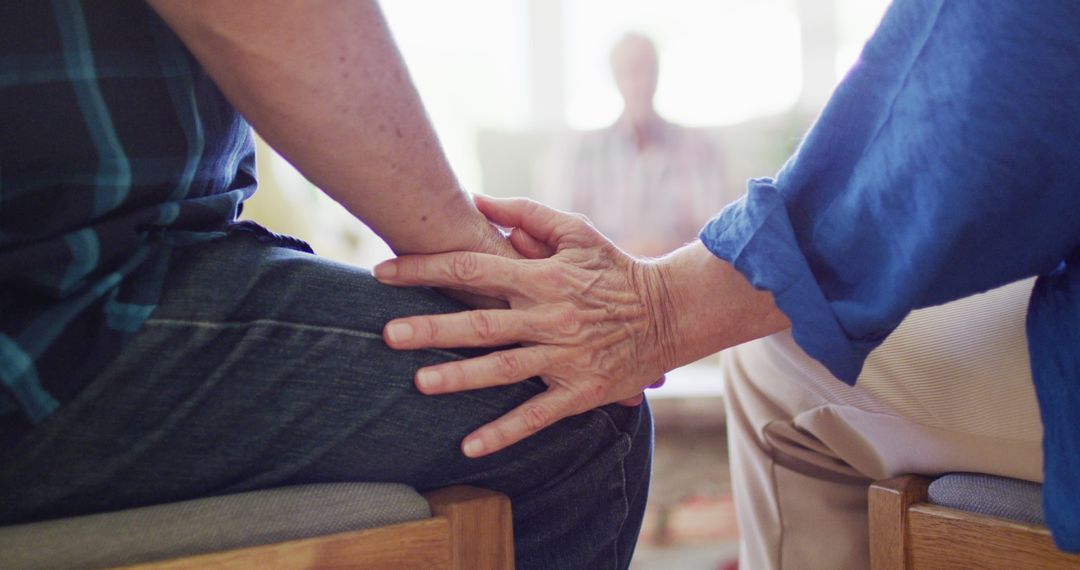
{"points": [[599, 325], [322, 81]]}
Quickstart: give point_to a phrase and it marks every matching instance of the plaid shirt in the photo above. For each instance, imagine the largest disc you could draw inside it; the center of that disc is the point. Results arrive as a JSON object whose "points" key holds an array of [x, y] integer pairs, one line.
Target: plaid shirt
{"points": [[115, 147]]}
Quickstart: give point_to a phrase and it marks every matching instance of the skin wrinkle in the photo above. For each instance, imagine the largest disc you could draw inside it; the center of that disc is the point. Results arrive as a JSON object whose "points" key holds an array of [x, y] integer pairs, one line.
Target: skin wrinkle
{"points": [[661, 332], [615, 306]]}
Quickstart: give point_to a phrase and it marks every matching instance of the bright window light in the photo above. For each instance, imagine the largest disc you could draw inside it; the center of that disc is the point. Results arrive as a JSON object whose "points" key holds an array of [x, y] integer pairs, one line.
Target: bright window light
{"points": [[469, 60], [720, 62]]}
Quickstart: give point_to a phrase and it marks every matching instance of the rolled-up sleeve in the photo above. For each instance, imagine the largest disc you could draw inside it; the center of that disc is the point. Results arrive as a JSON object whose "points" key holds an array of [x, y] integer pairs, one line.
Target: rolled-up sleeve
{"points": [[946, 163]]}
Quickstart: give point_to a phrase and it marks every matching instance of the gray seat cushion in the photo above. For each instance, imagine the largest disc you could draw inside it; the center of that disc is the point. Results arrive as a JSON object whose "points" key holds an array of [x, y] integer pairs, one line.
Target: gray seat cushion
{"points": [[208, 525], [989, 495]]}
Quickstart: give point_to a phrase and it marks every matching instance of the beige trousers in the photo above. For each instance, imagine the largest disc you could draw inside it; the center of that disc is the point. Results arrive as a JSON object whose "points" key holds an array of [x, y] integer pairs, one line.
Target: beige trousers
{"points": [[950, 390]]}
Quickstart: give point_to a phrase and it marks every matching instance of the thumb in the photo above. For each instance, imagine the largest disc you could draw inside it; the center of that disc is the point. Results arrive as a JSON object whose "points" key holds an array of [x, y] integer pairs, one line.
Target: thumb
{"points": [[529, 246], [547, 225]]}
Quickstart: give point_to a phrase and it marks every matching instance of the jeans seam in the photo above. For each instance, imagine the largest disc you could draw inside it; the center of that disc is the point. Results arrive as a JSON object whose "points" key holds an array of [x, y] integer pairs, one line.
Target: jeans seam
{"points": [[622, 474], [166, 322]]}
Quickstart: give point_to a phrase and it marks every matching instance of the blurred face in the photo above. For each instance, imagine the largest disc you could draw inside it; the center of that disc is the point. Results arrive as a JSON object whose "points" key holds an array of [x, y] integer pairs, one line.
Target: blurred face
{"points": [[635, 67]]}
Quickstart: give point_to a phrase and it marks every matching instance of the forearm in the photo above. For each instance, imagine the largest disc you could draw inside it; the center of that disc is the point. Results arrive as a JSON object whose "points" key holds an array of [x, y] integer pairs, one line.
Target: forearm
{"points": [[324, 84], [706, 305]]}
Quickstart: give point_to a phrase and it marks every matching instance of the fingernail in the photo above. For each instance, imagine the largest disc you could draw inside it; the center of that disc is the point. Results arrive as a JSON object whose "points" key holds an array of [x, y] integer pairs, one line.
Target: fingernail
{"points": [[429, 379], [473, 447], [399, 332], [386, 270]]}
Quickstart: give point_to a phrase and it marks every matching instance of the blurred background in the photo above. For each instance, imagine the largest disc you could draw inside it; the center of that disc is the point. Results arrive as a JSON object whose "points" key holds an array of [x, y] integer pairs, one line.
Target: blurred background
{"points": [[525, 97]]}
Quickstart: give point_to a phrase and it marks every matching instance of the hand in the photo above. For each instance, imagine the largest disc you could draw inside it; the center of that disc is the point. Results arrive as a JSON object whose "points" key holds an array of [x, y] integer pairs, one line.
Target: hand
{"points": [[592, 319], [491, 240], [525, 245]]}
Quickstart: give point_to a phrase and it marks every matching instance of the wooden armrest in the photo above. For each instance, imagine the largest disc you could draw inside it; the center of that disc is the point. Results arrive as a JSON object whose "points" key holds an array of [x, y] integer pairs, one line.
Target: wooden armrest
{"points": [[907, 533]]}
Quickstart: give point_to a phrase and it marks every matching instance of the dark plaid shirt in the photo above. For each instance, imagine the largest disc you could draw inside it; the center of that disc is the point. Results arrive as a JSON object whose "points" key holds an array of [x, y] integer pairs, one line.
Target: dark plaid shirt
{"points": [[115, 147]]}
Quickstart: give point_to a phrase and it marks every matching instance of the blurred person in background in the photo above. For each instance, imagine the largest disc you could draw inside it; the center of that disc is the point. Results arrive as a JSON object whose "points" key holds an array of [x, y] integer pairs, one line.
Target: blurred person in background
{"points": [[647, 183]]}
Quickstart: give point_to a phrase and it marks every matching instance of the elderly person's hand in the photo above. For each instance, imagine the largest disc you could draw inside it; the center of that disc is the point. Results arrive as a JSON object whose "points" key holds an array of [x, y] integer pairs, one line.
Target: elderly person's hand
{"points": [[596, 325]]}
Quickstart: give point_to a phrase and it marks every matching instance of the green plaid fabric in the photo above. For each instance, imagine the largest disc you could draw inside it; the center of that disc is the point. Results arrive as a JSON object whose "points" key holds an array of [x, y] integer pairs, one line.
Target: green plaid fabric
{"points": [[115, 147]]}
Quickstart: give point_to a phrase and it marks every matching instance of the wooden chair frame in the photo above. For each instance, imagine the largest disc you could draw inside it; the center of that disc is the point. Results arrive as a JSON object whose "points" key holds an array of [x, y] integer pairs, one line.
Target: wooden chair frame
{"points": [[907, 533], [470, 529]]}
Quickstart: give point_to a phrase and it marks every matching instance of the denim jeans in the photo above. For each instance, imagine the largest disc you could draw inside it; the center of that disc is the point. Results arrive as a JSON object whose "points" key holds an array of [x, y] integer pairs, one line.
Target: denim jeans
{"points": [[264, 366]]}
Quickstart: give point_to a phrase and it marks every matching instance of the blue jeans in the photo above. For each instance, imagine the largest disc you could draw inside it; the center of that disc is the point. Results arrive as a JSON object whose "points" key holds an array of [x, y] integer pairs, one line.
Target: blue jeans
{"points": [[263, 366]]}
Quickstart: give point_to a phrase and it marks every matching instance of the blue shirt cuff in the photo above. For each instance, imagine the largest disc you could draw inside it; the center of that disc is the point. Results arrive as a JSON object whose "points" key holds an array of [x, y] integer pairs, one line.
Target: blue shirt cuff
{"points": [[755, 235]]}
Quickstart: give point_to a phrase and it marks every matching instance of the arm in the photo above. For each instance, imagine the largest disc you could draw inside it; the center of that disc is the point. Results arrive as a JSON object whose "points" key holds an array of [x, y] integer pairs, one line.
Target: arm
{"points": [[599, 324], [324, 84]]}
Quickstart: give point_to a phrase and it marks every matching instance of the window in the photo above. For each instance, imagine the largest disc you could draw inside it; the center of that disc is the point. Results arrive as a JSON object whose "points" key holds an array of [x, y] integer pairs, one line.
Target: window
{"points": [[720, 62]]}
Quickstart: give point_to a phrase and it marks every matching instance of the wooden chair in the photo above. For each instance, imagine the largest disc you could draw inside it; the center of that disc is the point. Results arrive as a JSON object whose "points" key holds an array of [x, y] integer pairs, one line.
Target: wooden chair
{"points": [[907, 533], [470, 530], [333, 525]]}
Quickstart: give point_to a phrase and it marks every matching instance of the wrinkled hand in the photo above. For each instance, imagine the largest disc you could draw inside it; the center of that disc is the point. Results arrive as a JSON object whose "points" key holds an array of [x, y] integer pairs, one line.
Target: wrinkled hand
{"points": [[590, 317]]}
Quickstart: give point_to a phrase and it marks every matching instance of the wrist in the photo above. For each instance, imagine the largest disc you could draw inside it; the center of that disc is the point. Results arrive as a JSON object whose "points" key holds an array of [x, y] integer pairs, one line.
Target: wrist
{"points": [[687, 306], [652, 280], [712, 305], [481, 236], [451, 224]]}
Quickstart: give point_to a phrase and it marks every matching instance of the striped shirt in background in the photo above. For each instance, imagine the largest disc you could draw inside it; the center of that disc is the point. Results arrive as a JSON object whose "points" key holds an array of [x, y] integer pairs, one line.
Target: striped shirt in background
{"points": [[649, 200], [115, 147]]}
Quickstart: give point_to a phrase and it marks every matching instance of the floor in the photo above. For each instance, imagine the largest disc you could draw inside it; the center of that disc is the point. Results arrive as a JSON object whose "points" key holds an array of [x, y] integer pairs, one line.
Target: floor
{"points": [[690, 520]]}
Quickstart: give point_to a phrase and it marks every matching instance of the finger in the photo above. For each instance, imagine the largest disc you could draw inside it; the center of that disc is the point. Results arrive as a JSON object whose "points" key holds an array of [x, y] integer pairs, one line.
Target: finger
{"points": [[478, 273], [658, 383], [529, 246], [537, 413], [495, 369], [539, 221], [492, 327], [518, 213]]}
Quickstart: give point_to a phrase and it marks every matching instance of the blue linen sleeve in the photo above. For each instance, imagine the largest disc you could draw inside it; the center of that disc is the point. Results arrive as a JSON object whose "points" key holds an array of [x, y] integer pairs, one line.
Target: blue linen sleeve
{"points": [[946, 163]]}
